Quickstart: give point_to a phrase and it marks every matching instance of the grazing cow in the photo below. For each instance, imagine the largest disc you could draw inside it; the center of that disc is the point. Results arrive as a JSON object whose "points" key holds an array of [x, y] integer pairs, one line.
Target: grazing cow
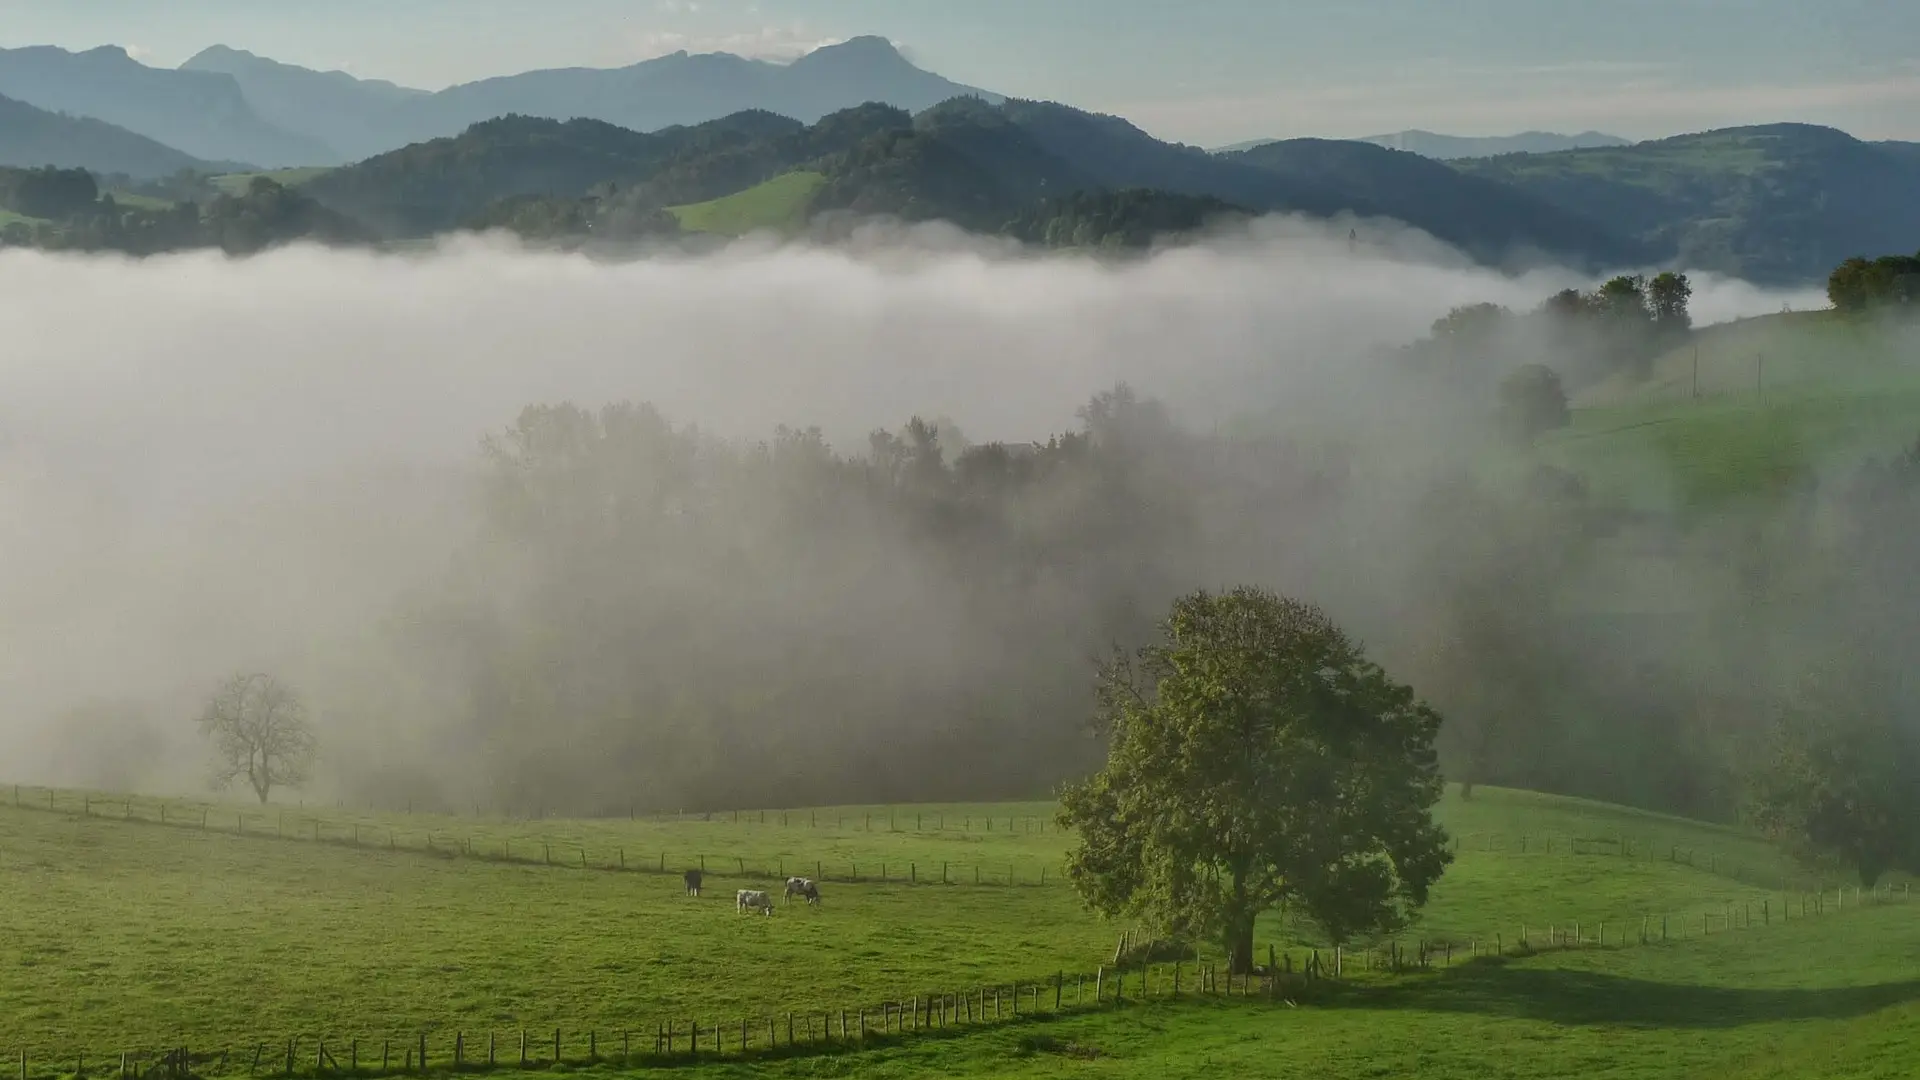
{"points": [[692, 878], [753, 900], [803, 888]]}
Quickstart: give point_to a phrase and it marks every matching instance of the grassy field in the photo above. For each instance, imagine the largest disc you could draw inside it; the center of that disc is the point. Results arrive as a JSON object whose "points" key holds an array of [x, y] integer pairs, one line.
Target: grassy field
{"points": [[780, 204], [1824, 998], [1782, 399], [126, 934], [141, 202]]}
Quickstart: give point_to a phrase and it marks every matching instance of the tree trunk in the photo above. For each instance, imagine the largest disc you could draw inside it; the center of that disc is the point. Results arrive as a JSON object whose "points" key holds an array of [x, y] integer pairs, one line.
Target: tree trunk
{"points": [[1239, 943]]}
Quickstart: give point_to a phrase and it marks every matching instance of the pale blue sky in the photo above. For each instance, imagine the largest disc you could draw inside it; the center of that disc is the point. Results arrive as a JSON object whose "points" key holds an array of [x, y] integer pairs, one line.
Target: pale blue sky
{"points": [[1205, 71]]}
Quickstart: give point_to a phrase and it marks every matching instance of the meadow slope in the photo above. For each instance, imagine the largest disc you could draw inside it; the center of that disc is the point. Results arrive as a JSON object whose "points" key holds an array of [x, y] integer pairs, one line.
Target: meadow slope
{"points": [[124, 933]]}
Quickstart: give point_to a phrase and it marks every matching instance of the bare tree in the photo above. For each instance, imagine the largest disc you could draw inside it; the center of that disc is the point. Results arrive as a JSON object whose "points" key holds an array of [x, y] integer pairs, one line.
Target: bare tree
{"points": [[259, 730]]}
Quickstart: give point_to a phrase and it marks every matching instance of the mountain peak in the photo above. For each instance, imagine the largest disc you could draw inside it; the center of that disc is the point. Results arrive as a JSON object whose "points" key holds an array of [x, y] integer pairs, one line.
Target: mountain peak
{"points": [[868, 50], [218, 54]]}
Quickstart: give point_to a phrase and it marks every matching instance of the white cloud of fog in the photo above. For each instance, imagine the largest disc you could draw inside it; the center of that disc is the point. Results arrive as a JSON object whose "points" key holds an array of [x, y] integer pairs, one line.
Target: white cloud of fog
{"points": [[192, 449]]}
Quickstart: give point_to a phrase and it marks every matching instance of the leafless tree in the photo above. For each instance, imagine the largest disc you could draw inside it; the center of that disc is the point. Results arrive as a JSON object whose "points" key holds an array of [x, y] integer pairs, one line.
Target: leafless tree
{"points": [[259, 730]]}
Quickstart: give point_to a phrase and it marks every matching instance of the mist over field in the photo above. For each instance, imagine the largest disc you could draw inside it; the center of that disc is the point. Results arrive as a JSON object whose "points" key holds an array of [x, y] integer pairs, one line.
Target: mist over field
{"points": [[212, 465]]}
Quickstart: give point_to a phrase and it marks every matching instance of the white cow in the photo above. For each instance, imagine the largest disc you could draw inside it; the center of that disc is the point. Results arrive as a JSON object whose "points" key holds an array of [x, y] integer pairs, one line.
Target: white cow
{"points": [[753, 900], [803, 888]]}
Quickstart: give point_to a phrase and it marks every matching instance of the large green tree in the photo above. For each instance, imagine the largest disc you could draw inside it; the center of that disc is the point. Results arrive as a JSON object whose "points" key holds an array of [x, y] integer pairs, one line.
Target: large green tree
{"points": [[1257, 759], [1840, 781]]}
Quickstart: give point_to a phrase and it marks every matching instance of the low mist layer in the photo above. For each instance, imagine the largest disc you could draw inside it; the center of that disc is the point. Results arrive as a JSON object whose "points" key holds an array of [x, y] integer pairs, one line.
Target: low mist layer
{"points": [[757, 582]]}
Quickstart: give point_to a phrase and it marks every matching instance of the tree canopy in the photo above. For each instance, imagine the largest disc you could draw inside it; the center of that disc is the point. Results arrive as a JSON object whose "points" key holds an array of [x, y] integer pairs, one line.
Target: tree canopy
{"points": [[1257, 759], [1888, 281], [1838, 785], [259, 730]]}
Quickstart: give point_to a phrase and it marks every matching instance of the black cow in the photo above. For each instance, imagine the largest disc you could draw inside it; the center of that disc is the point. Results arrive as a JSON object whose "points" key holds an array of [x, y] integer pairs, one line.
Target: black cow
{"points": [[692, 878]]}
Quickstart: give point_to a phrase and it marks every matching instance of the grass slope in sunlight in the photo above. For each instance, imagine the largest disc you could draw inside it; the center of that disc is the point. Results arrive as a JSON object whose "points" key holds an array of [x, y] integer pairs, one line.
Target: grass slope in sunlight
{"points": [[780, 204], [118, 935], [124, 933], [236, 183], [1782, 399], [1822, 999]]}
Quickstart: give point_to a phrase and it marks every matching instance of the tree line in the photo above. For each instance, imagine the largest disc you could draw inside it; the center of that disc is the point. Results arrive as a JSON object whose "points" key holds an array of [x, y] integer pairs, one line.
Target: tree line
{"points": [[71, 213], [1860, 284]]}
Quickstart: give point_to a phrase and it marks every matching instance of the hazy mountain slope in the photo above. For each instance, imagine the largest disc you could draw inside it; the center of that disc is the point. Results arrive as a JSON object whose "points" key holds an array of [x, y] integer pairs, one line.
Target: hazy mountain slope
{"points": [[198, 112], [680, 89], [1481, 216], [31, 137], [441, 183], [1448, 147], [979, 165], [1778, 204], [1323, 178], [356, 117]]}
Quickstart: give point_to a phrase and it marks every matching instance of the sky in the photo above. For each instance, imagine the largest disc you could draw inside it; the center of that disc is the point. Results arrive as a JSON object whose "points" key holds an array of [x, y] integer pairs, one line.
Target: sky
{"points": [[1200, 71]]}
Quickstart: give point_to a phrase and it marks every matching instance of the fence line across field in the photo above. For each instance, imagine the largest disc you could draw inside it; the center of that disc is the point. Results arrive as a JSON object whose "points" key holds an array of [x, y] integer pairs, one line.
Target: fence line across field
{"points": [[299, 824], [607, 854], [1289, 973]]}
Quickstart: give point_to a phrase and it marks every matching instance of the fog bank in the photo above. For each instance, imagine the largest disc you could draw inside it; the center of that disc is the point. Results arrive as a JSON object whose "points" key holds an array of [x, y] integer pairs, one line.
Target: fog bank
{"points": [[211, 465]]}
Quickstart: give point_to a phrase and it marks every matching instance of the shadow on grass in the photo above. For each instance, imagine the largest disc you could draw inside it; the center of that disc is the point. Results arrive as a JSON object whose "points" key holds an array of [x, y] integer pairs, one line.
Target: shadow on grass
{"points": [[1493, 988]]}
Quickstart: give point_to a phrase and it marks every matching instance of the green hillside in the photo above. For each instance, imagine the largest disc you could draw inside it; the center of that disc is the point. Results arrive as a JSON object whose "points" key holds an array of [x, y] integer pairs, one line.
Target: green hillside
{"points": [[1781, 399], [237, 183], [981, 166], [780, 204], [1482, 216], [1780, 203]]}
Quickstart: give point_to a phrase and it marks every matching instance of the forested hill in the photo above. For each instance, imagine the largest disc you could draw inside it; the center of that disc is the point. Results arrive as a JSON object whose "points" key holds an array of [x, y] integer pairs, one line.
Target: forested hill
{"points": [[1777, 204], [1471, 212], [1781, 204], [980, 165]]}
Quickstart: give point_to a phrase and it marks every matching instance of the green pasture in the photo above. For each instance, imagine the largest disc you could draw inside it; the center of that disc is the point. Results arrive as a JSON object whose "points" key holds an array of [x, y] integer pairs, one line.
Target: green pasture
{"points": [[780, 204], [1821, 999], [121, 933]]}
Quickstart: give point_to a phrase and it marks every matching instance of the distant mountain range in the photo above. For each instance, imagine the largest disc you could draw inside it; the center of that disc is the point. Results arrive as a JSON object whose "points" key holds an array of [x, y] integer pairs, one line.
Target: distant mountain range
{"points": [[201, 113], [977, 164], [357, 118], [856, 127], [31, 137], [1452, 147]]}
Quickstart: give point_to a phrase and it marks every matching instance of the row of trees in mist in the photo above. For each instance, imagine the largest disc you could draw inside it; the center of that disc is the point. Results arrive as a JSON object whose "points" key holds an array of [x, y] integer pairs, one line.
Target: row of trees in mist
{"points": [[653, 614], [1860, 284], [70, 213]]}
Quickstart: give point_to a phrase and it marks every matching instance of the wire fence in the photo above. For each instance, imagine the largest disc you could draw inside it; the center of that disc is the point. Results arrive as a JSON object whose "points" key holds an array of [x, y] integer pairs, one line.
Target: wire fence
{"points": [[472, 840], [503, 841]]}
